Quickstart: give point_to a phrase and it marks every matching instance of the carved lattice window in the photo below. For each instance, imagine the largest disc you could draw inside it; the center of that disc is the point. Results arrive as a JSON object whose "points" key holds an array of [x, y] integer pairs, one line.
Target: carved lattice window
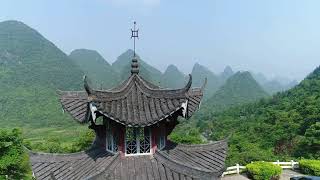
{"points": [[138, 141]]}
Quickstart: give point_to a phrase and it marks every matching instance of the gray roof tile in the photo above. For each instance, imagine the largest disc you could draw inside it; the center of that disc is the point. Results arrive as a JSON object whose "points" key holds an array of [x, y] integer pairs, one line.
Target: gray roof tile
{"points": [[175, 162], [135, 102]]}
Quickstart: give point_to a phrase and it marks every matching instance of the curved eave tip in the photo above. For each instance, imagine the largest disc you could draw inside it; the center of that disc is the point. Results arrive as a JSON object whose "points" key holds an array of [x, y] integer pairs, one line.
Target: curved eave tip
{"points": [[188, 86], [86, 85]]}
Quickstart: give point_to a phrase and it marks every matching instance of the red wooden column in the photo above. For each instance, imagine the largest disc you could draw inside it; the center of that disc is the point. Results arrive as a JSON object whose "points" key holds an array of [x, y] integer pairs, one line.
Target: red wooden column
{"points": [[154, 134], [122, 137]]}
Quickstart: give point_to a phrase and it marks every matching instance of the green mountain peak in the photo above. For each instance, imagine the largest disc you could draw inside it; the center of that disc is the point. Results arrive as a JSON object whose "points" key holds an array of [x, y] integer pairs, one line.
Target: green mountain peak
{"points": [[199, 73], [123, 66], [239, 89], [99, 71], [172, 78]]}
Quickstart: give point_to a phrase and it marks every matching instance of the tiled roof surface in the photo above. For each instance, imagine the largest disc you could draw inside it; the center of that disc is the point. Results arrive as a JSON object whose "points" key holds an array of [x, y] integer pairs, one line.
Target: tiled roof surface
{"points": [[208, 157], [76, 103], [179, 162], [134, 103], [70, 166]]}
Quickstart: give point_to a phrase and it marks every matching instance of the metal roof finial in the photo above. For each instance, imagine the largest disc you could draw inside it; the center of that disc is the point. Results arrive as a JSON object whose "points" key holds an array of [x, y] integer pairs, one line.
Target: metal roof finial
{"points": [[134, 35]]}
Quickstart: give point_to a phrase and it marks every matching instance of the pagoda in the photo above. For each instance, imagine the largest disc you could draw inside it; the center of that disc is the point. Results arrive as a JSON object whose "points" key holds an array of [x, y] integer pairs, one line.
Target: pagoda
{"points": [[132, 122]]}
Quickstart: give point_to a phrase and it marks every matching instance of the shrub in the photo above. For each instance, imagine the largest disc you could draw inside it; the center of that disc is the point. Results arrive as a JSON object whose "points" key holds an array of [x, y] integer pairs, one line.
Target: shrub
{"points": [[14, 161], [311, 167], [192, 137], [263, 170], [83, 142]]}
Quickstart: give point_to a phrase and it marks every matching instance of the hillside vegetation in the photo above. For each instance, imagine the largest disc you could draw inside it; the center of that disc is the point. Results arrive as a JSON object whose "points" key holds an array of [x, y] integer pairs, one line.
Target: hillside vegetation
{"points": [[98, 70], [239, 89], [282, 127], [31, 70]]}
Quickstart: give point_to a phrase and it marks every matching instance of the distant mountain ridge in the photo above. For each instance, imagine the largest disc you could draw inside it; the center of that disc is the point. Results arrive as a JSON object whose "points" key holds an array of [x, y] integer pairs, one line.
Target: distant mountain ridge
{"points": [[199, 73], [239, 89], [123, 66], [285, 125], [275, 85], [31, 70], [227, 72], [37, 57], [99, 71], [172, 78]]}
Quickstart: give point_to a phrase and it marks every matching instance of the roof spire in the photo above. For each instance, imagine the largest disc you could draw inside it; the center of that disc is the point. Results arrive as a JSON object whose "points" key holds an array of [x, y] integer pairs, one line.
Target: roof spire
{"points": [[134, 64]]}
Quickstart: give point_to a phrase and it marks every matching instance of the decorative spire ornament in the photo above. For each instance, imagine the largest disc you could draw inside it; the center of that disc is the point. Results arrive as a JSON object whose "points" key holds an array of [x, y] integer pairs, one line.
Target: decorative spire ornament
{"points": [[134, 64]]}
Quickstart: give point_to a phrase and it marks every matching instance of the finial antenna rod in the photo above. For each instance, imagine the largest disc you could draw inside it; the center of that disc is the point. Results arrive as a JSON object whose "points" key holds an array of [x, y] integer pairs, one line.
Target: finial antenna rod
{"points": [[134, 35]]}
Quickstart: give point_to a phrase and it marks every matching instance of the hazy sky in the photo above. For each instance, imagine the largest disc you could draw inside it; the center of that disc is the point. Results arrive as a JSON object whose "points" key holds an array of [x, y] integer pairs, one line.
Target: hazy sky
{"points": [[275, 37]]}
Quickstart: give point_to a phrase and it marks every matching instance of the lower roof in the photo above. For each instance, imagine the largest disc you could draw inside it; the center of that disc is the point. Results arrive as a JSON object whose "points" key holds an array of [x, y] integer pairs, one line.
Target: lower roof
{"points": [[176, 162]]}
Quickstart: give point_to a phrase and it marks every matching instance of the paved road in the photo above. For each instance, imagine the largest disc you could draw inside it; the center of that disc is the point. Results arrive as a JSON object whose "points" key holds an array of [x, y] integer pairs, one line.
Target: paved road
{"points": [[234, 177], [286, 174]]}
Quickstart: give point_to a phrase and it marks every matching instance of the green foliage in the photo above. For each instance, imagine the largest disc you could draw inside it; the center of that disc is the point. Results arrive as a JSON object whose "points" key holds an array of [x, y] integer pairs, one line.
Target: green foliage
{"points": [[31, 70], [243, 151], [84, 141], [14, 161], [188, 135], [311, 167], [284, 126], [310, 142], [79, 142], [263, 171]]}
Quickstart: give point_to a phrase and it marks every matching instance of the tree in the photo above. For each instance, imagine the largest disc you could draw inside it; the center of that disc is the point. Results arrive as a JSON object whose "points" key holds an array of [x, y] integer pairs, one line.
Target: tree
{"points": [[14, 160]]}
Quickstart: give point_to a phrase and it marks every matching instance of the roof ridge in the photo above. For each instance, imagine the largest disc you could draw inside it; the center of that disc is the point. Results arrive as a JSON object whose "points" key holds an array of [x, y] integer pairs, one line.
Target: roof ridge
{"points": [[57, 154], [181, 167], [61, 93], [137, 80], [145, 125], [41, 156], [115, 90]]}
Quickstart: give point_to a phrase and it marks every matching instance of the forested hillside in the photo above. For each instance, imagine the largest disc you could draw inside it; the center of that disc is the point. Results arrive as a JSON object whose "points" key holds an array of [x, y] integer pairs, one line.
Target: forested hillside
{"points": [[27, 57], [31, 70], [98, 70], [239, 89], [284, 126], [172, 78]]}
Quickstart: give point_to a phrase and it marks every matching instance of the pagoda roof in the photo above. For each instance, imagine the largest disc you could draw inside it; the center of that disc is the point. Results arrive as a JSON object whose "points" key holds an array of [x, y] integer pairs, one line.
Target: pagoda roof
{"points": [[175, 162], [135, 102]]}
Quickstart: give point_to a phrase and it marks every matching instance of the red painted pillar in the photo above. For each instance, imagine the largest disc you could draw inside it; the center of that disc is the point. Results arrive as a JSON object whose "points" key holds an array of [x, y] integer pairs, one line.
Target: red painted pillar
{"points": [[154, 133], [122, 141]]}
